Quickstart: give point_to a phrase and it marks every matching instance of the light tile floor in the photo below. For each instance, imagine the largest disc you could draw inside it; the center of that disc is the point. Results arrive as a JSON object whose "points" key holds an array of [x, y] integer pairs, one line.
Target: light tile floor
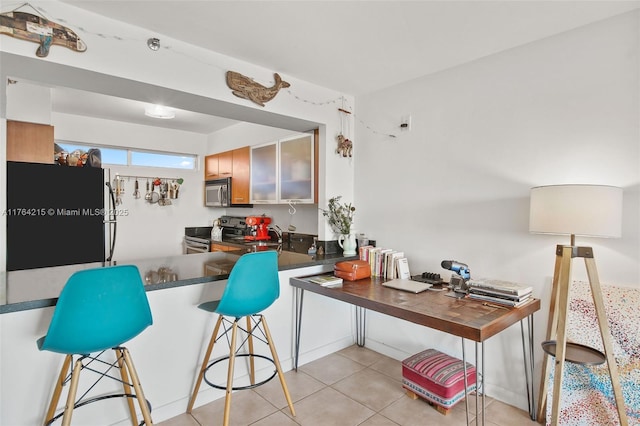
{"points": [[355, 386]]}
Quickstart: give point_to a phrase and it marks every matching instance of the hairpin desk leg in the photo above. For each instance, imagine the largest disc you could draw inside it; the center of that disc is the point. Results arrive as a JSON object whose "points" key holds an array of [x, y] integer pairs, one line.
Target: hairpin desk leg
{"points": [[299, 295]]}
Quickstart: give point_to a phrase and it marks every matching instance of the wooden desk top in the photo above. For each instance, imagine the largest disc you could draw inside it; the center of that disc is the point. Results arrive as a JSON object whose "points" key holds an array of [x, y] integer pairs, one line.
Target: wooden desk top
{"points": [[465, 317]]}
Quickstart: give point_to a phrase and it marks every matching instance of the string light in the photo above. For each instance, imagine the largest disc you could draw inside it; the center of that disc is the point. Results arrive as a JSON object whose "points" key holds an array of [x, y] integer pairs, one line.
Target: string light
{"points": [[335, 101], [366, 126]]}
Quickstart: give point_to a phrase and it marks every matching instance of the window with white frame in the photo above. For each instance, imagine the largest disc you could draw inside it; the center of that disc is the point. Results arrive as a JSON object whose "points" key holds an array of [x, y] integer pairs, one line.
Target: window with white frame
{"points": [[135, 157]]}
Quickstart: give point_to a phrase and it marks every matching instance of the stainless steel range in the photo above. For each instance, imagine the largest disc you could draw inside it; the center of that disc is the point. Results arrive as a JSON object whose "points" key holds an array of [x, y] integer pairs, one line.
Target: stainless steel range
{"points": [[235, 232], [197, 239], [234, 228]]}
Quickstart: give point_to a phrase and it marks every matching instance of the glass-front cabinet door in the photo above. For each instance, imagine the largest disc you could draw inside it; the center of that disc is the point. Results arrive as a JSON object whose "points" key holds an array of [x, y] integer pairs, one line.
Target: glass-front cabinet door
{"points": [[283, 171], [296, 169], [264, 173]]}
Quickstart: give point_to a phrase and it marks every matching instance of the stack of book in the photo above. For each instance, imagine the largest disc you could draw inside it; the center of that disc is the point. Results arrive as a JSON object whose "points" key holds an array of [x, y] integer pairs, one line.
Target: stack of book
{"points": [[327, 280], [499, 292], [385, 262]]}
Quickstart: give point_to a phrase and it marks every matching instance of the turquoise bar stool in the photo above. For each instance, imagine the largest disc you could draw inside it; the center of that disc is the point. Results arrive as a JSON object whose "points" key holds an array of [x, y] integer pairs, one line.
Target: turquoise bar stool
{"points": [[98, 310], [252, 287]]}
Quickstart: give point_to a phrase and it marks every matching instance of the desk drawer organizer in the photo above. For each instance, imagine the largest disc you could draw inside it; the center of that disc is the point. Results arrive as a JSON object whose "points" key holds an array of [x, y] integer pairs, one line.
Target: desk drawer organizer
{"points": [[437, 377]]}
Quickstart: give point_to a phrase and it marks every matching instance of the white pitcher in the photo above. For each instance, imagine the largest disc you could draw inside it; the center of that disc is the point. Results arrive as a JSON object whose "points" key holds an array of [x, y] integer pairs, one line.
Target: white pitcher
{"points": [[347, 243]]}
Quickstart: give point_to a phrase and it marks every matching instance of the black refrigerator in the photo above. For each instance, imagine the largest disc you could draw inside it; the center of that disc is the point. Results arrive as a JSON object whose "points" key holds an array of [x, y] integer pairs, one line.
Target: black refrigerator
{"points": [[56, 216]]}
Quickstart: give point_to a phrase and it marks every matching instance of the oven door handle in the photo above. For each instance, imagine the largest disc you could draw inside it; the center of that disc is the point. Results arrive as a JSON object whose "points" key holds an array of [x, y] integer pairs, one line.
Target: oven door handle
{"points": [[198, 249], [197, 246]]}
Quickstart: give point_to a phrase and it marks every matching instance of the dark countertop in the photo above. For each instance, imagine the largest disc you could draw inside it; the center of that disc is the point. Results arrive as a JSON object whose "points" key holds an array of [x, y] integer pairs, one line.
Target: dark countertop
{"points": [[291, 241], [157, 273]]}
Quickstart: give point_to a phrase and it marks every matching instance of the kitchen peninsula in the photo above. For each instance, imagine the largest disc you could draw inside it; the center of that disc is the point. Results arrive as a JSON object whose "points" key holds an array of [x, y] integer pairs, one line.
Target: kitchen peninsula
{"points": [[175, 338], [39, 288]]}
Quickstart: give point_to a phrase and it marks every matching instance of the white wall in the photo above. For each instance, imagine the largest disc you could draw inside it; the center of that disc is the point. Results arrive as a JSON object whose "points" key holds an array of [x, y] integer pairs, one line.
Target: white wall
{"points": [[560, 110], [29, 103]]}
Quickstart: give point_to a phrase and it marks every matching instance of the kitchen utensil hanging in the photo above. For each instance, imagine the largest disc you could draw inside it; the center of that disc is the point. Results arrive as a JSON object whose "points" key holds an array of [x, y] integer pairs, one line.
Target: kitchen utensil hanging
{"points": [[174, 188], [147, 196], [136, 191], [168, 189], [292, 211], [154, 196], [118, 183], [164, 189]]}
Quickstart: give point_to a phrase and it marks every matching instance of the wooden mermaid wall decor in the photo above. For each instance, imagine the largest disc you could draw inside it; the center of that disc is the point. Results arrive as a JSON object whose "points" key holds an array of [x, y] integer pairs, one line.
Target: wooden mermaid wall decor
{"points": [[246, 88]]}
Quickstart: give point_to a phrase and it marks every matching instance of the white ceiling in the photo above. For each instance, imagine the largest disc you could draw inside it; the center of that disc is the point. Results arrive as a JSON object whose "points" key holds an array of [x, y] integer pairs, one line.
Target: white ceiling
{"points": [[355, 47], [83, 103]]}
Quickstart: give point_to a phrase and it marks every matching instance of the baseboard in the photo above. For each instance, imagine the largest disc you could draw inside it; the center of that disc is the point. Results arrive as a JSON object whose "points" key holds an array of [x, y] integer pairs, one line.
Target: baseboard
{"points": [[386, 350], [322, 351]]}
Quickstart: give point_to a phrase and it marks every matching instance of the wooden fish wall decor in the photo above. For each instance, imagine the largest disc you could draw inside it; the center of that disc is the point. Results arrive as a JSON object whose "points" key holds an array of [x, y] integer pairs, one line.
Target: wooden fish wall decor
{"points": [[246, 88], [27, 26]]}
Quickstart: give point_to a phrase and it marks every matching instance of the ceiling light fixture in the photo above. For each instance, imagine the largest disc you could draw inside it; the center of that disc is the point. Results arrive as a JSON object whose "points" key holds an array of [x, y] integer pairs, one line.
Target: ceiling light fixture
{"points": [[159, 111], [153, 43]]}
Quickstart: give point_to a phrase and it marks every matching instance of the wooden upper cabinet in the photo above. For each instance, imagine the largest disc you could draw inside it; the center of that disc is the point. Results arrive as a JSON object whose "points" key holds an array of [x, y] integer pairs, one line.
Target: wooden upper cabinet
{"points": [[225, 164], [211, 167], [29, 142], [218, 166], [234, 164], [241, 175]]}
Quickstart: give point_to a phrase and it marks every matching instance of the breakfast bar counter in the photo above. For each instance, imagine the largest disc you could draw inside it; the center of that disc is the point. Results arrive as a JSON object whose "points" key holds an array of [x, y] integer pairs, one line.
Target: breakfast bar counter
{"points": [[38, 288], [176, 286]]}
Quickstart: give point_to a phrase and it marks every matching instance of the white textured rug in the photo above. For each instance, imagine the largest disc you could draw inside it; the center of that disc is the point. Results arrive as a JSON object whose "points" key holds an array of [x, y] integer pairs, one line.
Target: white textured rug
{"points": [[587, 395]]}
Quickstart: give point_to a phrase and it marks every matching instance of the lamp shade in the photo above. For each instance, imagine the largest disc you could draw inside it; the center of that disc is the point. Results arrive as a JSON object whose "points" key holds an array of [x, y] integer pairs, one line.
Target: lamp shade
{"points": [[586, 210]]}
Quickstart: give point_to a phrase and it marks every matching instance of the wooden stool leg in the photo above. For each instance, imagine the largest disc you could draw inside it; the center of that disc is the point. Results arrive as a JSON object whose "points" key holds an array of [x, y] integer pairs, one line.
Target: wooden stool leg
{"points": [[125, 385], [232, 359], [71, 397], [276, 361], [142, 401], [207, 356], [251, 358], [58, 389]]}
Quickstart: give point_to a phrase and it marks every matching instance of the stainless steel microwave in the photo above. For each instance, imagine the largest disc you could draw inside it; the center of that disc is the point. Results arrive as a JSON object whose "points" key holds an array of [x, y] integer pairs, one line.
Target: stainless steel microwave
{"points": [[217, 193]]}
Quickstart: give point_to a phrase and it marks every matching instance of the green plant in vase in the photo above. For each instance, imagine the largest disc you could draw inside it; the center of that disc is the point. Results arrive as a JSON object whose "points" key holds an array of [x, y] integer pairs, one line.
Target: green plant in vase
{"points": [[340, 218]]}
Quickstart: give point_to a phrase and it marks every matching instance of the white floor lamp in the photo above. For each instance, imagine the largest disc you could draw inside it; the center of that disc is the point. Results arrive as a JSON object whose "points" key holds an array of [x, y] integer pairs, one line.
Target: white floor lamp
{"points": [[585, 210]]}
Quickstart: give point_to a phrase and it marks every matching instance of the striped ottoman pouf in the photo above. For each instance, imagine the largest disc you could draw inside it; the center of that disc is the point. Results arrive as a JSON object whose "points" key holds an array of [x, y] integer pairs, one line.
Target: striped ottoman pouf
{"points": [[437, 377]]}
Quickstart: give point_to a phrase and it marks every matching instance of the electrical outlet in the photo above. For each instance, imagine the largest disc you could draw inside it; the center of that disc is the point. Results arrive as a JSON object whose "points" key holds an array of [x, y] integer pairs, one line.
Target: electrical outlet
{"points": [[405, 123]]}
